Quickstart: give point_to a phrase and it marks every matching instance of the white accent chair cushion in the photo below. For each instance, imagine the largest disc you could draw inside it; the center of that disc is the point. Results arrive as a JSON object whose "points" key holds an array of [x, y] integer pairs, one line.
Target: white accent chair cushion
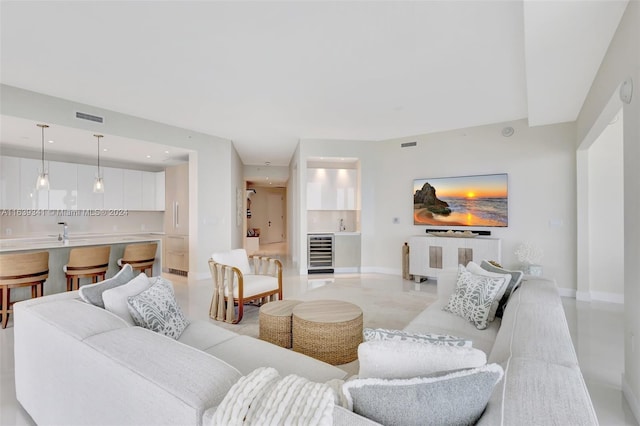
{"points": [[235, 257]]}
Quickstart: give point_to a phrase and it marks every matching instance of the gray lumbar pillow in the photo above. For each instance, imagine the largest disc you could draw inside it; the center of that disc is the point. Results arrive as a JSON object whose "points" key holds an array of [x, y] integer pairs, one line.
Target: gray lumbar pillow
{"points": [[93, 293], [457, 398], [516, 278]]}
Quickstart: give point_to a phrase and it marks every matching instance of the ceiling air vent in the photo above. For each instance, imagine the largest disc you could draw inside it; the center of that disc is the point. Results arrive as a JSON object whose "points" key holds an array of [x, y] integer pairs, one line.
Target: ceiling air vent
{"points": [[85, 116], [408, 144]]}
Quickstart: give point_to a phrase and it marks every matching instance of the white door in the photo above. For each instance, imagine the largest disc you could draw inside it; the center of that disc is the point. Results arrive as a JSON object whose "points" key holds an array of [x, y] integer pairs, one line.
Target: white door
{"points": [[275, 219]]}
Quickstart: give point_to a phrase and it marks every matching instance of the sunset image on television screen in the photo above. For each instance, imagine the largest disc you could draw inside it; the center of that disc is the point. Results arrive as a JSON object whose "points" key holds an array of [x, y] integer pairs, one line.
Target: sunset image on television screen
{"points": [[461, 201]]}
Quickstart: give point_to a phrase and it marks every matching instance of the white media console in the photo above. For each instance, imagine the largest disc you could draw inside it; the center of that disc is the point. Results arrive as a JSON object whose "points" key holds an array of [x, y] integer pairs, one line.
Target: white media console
{"points": [[428, 255]]}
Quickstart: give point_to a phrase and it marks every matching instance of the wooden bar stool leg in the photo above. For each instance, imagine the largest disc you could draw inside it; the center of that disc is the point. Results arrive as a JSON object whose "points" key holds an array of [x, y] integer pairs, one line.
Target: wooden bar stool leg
{"points": [[5, 306]]}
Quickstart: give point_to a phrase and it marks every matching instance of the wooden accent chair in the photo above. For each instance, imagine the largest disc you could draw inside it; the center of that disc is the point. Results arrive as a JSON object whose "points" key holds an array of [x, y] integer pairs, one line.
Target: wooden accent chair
{"points": [[140, 256], [239, 279], [21, 270], [86, 262]]}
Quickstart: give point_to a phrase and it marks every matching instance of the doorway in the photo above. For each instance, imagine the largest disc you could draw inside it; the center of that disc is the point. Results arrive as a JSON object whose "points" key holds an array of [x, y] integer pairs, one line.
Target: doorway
{"points": [[267, 219], [601, 209]]}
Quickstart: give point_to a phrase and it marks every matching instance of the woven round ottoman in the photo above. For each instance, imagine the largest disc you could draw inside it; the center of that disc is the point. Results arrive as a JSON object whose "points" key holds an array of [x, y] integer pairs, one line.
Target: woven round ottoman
{"points": [[328, 330], [275, 322]]}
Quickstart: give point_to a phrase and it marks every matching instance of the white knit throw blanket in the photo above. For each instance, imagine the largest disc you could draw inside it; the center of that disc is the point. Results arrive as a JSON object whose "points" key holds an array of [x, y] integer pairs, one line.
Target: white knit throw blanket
{"points": [[263, 398]]}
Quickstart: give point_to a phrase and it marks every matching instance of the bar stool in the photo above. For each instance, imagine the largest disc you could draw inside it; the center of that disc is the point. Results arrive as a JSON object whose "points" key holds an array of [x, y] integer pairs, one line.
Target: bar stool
{"points": [[86, 262], [21, 270], [140, 256]]}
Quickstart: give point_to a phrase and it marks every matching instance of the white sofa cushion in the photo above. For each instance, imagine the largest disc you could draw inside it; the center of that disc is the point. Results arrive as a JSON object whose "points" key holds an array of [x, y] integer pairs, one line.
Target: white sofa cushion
{"points": [[390, 359], [247, 353], [455, 398], [115, 299]]}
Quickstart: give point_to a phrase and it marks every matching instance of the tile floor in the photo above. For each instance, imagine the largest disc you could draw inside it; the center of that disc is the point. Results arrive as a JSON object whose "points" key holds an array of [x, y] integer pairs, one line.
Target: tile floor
{"points": [[596, 329]]}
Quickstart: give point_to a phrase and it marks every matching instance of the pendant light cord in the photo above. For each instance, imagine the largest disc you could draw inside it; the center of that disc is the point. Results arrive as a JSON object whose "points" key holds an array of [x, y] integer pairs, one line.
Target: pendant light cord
{"points": [[42, 148]]}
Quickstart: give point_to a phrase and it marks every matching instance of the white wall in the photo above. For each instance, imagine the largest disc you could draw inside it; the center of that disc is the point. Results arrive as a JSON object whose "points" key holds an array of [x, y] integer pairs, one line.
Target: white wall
{"points": [[621, 62], [606, 215], [541, 166], [540, 163], [209, 162]]}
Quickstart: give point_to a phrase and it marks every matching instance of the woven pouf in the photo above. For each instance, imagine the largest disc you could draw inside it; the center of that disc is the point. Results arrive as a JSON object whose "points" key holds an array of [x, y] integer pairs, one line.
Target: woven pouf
{"points": [[328, 330], [275, 322]]}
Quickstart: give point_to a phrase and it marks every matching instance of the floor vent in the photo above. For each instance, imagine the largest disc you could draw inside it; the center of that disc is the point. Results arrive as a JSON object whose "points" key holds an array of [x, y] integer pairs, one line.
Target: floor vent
{"points": [[178, 272], [85, 116]]}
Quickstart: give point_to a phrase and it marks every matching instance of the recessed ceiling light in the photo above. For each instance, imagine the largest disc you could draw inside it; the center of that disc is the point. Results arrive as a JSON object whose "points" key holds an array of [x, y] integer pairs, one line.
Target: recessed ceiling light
{"points": [[105, 149], [167, 151], [50, 141], [148, 156]]}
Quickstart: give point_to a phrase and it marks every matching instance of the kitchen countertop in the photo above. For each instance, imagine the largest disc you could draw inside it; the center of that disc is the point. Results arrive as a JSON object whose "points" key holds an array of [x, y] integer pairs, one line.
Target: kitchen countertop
{"points": [[75, 240]]}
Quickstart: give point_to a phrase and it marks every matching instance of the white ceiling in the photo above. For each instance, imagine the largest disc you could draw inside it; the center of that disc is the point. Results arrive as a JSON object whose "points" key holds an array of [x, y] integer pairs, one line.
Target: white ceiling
{"points": [[267, 74]]}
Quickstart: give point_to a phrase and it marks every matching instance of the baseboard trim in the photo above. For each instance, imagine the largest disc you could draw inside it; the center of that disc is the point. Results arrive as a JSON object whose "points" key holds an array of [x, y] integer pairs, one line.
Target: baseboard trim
{"points": [[603, 296], [583, 296], [379, 270], [349, 270], [567, 292], [632, 400]]}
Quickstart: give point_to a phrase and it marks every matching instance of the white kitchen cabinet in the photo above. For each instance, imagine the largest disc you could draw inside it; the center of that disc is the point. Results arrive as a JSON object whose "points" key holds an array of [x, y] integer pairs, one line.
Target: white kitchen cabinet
{"points": [[346, 187], [347, 252], [63, 186], [30, 198], [9, 182], [87, 199], [148, 191], [160, 196], [132, 192], [332, 189], [429, 255], [113, 187]]}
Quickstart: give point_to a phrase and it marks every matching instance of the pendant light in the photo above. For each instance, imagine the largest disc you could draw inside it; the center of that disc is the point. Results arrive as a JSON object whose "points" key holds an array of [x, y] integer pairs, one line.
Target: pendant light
{"points": [[43, 176], [98, 184]]}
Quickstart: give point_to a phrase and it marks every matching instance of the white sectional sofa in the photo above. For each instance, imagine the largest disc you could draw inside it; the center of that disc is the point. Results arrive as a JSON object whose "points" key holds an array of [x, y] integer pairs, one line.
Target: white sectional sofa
{"points": [[78, 364], [542, 383]]}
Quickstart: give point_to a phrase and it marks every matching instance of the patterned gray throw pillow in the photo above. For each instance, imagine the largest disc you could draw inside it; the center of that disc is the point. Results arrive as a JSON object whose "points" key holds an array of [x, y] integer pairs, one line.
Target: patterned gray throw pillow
{"points": [[156, 309], [372, 334], [474, 296]]}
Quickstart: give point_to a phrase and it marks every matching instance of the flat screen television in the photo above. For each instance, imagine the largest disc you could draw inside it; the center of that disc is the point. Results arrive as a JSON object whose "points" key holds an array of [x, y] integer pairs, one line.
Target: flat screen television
{"points": [[480, 200]]}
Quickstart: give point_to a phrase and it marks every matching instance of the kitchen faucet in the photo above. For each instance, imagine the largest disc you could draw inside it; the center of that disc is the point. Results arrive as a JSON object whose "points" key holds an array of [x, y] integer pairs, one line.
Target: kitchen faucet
{"points": [[65, 233]]}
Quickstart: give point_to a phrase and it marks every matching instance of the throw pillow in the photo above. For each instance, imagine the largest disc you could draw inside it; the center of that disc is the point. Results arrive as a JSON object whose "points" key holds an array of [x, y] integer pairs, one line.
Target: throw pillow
{"points": [[516, 279], [474, 268], [474, 296], [263, 398], [371, 334], [92, 293], [391, 359], [116, 299], [156, 309], [455, 398]]}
